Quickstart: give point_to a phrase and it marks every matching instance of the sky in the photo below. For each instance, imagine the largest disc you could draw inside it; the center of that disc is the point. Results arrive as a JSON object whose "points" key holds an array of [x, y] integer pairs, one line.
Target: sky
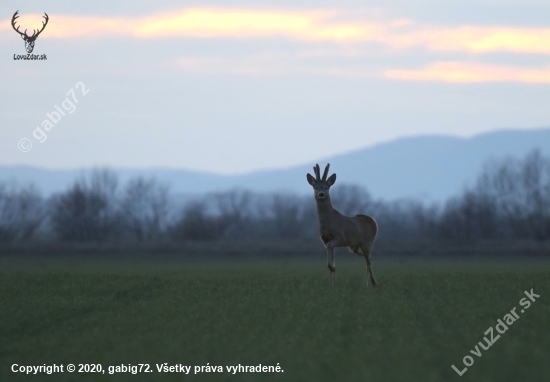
{"points": [[233, 87]]}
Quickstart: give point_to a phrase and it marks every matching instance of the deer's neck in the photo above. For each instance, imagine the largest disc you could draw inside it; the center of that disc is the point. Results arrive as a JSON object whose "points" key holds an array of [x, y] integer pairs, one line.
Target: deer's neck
{"points": [[324, 211]]}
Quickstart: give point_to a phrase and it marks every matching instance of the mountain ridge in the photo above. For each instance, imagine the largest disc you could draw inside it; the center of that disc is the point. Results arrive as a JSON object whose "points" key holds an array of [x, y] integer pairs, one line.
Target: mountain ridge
{"points": [[431, 167]]}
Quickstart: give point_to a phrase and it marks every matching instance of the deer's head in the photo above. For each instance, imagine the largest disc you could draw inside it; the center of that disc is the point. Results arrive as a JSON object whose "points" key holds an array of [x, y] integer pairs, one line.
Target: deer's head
{"points": [[29, 40], [320, 185]]}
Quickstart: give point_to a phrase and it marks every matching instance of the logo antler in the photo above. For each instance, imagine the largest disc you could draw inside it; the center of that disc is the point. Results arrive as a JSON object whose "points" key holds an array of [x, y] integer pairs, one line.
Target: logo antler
{"points": [[29, 40]]}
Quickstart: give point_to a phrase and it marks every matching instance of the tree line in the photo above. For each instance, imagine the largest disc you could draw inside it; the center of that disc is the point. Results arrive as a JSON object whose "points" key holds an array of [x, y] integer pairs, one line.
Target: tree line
{"points": [[509, 199]]}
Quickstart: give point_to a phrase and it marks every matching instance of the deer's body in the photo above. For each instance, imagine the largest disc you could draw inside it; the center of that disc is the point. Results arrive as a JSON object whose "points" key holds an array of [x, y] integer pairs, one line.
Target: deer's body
{"points": [[337, 230]]}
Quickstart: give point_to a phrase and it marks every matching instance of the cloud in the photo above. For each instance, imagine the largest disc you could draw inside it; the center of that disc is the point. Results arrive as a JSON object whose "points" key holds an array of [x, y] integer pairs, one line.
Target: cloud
{"points": [[457, 72], [214, 23], [476, 39], [312, 26], [205, 23], [334, 43], [288, 64]]}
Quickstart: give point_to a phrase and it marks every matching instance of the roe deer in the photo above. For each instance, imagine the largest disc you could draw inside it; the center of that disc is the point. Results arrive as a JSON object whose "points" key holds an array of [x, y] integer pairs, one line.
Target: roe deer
{"points": [[337, 230]]}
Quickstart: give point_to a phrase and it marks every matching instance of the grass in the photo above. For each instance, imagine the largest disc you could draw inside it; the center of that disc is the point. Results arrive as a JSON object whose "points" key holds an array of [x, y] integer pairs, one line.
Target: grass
{"points": [[423, 317]]}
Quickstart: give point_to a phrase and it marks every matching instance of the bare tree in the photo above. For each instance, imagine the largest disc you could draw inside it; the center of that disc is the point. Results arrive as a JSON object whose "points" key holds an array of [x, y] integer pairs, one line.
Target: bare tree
{"points": [[521, 191], [88, 210], [144, 208], [351, 198], [287, 214], [470, 216], [21, 212], [196, 224], [234, 209], [535, 177]]}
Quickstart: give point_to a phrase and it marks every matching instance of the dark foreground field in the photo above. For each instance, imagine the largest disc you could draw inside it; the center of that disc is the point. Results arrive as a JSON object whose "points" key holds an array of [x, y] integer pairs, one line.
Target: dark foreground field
{"points": [[423, 317]]}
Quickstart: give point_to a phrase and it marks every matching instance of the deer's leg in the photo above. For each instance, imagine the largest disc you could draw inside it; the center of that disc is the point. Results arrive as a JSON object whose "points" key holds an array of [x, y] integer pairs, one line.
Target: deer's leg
{"points": [[330, 260], [366, 251], [336, 242], [330, 264]]}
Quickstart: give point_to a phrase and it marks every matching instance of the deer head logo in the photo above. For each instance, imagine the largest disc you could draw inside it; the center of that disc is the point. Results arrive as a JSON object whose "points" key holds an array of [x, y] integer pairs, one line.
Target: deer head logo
{"points": [[29, 40]]}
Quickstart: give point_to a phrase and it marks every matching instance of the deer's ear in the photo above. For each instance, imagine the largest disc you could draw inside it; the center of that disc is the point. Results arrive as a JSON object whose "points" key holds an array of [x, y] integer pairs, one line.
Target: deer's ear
{"points": [[331, 180], [311, 180]]}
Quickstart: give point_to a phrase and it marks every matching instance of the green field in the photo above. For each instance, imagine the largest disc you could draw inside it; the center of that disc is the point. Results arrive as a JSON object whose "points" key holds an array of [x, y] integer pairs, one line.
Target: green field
{"points": [[423, 317]]}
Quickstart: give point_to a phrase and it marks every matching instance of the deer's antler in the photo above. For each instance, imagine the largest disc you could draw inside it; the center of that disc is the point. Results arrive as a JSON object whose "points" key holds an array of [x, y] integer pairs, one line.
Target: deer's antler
{"points": [[15, 17], [326, 172], [37, 32], [317, 172]]}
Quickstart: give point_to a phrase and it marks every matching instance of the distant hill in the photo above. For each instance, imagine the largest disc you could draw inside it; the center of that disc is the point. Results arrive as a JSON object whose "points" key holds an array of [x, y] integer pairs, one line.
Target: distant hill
{"points": [[429, 167]]}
